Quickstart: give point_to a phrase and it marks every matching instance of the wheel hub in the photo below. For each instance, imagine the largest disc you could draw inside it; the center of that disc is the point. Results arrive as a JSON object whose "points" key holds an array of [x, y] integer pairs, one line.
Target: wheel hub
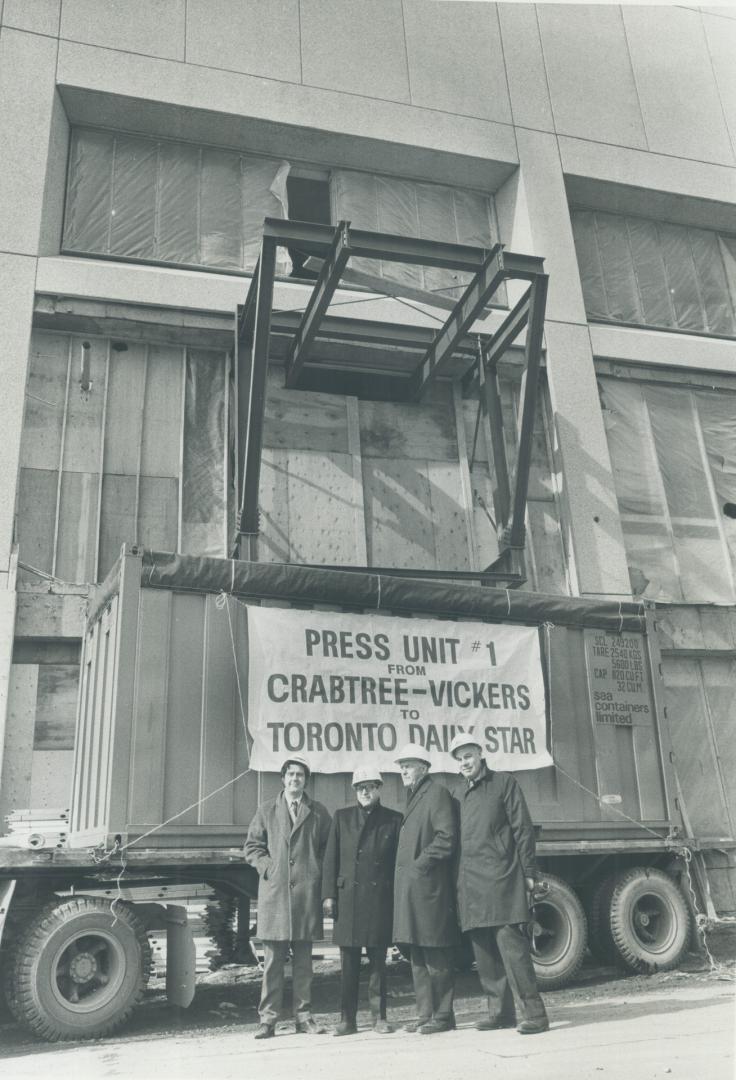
{"points": [[83, 968]]}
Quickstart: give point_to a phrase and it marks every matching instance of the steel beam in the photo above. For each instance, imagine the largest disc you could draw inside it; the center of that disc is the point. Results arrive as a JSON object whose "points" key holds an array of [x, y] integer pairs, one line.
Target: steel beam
{"points": [[490, 398], [372, 245], [247, 318], [379, 334], [505, 336], [530, 384], [466, 311], [319, 302], [251, 384]]}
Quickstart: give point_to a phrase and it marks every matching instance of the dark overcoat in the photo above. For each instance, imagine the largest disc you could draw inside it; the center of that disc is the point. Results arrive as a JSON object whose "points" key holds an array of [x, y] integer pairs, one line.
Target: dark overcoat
{"points": [[289, 865], [496, 852], [358, 872], [424, 888]]}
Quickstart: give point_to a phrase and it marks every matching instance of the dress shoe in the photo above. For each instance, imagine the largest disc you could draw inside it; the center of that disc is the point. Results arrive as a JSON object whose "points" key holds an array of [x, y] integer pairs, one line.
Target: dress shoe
{"points": [[414, 1025], [310, 1027], [493, 1023], [345, 1028], [383, 1027], [533, 1027], [434, 1027], [264, 1031]]}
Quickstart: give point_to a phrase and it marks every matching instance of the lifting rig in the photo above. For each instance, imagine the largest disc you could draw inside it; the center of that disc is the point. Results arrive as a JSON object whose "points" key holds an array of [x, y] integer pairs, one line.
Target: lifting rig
{"points": [[395, 362]]}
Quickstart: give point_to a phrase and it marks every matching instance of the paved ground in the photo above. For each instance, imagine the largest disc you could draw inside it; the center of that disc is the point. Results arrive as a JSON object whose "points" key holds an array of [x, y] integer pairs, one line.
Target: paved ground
{"points": [[677, 1025]]}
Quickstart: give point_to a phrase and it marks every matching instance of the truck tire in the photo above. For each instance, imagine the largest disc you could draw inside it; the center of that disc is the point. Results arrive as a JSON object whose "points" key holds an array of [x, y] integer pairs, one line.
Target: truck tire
{"points": [[650, 920], [79, 969], [600, 941], [559, 935]]}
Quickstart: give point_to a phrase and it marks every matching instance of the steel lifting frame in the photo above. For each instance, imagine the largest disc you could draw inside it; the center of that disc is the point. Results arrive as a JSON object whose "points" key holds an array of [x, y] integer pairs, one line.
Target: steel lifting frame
{"points": [[334, 247]]}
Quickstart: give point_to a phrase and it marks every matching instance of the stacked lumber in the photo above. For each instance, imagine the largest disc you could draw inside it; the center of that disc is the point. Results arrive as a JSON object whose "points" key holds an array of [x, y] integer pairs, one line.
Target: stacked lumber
{"points": [[36, 829]]}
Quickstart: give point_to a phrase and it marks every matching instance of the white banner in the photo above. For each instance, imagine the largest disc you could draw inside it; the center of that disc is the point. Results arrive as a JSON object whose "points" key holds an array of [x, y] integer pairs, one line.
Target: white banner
{"points": [[349, 690]]}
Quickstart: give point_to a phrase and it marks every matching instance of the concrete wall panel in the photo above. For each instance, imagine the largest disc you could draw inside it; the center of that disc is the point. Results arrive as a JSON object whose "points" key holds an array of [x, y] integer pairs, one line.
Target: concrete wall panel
{"points": [[39, 16], [721, 39], [149, 27], [27, 64], [258, 38], [356, 47], [590, 78], [525, 70], [677, 88], [456, 60]]}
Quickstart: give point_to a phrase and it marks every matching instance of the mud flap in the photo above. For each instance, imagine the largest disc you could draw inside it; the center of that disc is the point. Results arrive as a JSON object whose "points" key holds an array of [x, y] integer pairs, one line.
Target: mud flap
{"points": [[181, 960], [7, 888]]}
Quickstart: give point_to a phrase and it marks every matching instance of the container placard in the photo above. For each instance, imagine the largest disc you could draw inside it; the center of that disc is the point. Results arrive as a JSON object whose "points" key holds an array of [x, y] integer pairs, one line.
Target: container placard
{"points": [[346, 690], [617, 678]]}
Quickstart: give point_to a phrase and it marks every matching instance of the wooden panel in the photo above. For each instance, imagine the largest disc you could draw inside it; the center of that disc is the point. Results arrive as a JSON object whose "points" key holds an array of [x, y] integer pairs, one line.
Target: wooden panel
{"points": [[84, 410], [324, 519], [549, 560], [158, 512], [220, 715], [273, 504], [77, 541], [184, 712], [51, 778], [452, 541], [118, 521], [162, 418], [44, 404], [124, 419], [36, 513], [15, 785], [56, 707], [398, 526], [301, 420], [147, 759], [425, 430], [692, 740]]}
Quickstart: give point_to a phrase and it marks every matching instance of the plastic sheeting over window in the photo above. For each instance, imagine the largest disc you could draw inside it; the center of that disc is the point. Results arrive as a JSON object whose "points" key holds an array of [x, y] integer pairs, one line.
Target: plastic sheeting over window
{"points": [[656, 274], [673, 453], [150, 199], [140, 458], [407, 208]]}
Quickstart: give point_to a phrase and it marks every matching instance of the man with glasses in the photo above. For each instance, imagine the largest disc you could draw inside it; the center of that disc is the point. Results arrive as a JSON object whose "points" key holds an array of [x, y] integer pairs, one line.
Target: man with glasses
{"points": [[357, 891]]}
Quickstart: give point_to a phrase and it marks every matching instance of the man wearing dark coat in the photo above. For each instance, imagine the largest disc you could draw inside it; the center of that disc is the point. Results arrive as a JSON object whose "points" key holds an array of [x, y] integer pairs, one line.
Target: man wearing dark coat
{"points": [[286, 843], [357, 891], [424, 893], [496, 874]]}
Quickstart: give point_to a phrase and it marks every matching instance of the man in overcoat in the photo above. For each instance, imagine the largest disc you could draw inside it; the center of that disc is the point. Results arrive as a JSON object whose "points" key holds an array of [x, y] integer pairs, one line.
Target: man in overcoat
{"points": [[357, 891], [286, 844], [496, 874], [424, 892]]}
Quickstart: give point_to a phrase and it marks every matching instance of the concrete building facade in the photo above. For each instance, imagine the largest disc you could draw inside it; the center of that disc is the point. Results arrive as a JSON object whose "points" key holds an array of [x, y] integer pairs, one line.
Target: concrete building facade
{"points": [[570, 119]]}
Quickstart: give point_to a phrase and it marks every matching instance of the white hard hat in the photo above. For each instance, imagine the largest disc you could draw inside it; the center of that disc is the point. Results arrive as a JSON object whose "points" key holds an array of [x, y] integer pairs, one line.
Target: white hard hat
{"points": [[295, 759], [464, 738], [367, 774], [413, 751]]}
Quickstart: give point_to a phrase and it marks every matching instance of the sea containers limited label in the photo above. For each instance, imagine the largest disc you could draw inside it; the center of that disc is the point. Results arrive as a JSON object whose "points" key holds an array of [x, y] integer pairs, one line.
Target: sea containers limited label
{"points": [[617, 678]]}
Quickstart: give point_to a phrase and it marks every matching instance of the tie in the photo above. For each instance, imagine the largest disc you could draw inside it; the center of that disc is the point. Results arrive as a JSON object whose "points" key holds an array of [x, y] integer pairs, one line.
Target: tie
{"points": [[294, 809]]}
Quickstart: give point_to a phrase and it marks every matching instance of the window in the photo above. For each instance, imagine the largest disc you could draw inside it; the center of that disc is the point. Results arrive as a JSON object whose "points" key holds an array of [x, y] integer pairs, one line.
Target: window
{"points": [[673, 452], [656, 274], [138, 458]]}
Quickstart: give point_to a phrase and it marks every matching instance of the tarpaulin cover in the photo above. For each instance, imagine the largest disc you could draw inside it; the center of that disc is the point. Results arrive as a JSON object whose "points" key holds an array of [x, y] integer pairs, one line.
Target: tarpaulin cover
{"points": [[145, 198], [674, 464], [656, 274], [408, 208], [364, 589], [203, 510]]}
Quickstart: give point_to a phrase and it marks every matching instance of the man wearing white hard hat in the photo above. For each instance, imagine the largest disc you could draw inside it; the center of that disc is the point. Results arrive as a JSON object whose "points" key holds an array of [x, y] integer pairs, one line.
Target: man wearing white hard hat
{"points": [[495, 877], [424, 893], [357, 891], [286, 843]]}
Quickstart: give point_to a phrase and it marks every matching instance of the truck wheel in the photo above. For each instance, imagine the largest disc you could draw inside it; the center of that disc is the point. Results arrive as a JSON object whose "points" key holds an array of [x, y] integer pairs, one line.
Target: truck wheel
{"points": [[559, 933], [600, 942], [80, 968], [650, 920]]}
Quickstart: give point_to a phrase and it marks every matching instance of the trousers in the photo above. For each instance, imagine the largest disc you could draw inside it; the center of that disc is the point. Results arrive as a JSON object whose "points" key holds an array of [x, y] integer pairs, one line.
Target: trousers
{"points": [[504, 961], [350, 979], [433, 973], [275, 956]]}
